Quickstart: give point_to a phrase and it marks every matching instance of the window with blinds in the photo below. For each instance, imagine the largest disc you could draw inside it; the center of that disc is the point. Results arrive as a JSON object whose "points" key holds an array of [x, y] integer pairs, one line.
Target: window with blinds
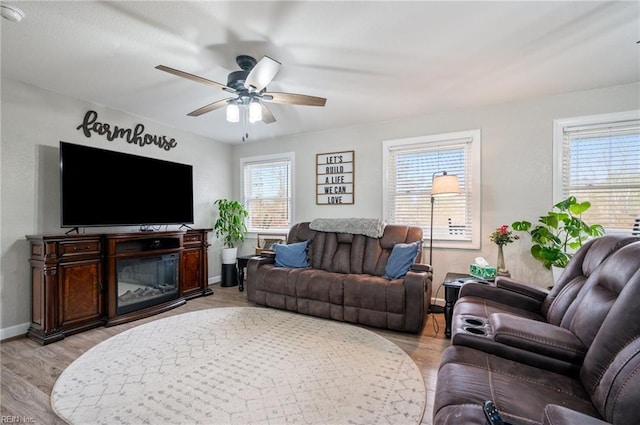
{"points": [[267, 188], [599, 162], [410, 165]]}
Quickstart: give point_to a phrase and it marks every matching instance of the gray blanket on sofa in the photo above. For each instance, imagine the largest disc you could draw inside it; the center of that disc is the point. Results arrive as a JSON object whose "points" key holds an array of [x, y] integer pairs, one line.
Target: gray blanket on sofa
{"points": [[372, 227]]}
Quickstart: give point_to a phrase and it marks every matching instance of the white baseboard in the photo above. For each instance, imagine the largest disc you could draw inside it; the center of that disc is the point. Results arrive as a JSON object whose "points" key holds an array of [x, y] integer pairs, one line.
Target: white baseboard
{"points": [[12, 331], [438, 301], [215, 279]]}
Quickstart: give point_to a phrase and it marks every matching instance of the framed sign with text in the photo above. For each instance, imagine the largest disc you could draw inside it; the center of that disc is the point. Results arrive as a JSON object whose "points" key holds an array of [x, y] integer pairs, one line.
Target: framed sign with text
{"points": [[334, 178]]}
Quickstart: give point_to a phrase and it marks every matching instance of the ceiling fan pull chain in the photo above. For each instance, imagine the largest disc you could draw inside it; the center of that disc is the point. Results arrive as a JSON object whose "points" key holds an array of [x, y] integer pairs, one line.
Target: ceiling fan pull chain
{"points": [[245, 120]]}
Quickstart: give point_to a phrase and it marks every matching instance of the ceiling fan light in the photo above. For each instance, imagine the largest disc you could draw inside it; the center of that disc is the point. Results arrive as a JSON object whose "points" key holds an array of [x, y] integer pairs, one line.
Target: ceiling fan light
{"points": [[233, 112], [255, 111]]}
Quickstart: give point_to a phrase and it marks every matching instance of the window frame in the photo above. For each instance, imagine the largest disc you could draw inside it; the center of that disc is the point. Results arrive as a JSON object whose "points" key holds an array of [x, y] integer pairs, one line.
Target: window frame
{"points": [[267, 159], [558, 145], [474, 179]]}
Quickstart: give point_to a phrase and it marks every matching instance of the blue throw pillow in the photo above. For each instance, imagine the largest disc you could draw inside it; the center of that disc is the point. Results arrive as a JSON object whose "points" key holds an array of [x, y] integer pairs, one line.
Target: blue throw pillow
{"points": [[403, 255], [293, 255]]}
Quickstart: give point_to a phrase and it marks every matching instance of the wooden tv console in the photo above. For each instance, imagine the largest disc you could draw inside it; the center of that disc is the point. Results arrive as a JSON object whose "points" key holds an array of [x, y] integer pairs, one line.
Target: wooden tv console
{"points": [[73, 277]]}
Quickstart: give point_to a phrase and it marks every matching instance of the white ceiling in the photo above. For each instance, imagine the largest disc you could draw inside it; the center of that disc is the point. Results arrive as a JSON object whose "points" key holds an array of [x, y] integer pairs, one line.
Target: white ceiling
{"points": [[373, 61]]}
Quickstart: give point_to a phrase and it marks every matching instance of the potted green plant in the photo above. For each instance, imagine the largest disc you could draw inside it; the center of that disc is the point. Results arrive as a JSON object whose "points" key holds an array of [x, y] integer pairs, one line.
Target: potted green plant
{"points": [[560, 232], [230, 226]]}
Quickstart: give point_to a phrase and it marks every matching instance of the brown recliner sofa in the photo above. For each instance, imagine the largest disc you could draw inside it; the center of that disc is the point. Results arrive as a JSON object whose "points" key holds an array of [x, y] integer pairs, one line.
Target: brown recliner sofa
{"points": [[603, 321], [549, 329], [534, 302], [345, 279]]}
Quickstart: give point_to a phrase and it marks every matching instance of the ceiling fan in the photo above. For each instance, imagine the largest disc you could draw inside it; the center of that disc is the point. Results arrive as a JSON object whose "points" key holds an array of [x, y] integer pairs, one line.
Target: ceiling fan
{"points": [[249, 86]]}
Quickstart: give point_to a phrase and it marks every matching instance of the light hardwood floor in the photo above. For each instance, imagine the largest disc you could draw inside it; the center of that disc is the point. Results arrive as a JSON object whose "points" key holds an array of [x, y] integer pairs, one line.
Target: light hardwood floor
{"points": [[30, 370]]}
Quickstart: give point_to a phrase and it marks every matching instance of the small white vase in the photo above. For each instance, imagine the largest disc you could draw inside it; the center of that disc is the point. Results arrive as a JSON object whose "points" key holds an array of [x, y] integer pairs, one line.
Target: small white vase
{"points": [[500, 265], [229, 255]]}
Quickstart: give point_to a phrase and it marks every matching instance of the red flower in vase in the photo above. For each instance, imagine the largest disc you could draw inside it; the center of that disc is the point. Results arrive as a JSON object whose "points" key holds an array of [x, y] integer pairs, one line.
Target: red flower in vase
{"points": [[502, 235]]}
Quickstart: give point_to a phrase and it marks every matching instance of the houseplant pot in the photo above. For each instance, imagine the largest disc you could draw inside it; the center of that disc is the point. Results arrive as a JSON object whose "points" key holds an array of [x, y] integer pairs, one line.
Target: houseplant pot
{"points": [[229, 255], [231, 228], [560, 233]]}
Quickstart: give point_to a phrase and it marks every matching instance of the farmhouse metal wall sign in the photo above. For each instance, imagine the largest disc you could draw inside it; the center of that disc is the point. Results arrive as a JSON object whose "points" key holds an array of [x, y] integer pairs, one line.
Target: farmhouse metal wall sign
{"points": [[334, 178], [135, 135]]}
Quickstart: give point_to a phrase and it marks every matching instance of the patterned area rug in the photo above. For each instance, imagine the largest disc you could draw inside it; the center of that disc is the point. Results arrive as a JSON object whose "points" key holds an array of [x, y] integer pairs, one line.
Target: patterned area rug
{"points": [[242, 365]]}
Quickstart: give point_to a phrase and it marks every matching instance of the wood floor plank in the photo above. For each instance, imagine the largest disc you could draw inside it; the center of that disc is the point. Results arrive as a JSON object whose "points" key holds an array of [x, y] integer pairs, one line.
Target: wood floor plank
{"points": [[29, 370], [24, 403]]}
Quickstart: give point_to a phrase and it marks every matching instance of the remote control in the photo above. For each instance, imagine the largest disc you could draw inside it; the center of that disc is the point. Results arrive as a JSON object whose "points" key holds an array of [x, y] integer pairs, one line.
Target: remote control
{"points": [[491, 413]]}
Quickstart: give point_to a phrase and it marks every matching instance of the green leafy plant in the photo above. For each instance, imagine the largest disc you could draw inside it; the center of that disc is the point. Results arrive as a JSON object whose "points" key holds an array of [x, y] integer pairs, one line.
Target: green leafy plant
{"points": [[230, 224], [560, 233]]}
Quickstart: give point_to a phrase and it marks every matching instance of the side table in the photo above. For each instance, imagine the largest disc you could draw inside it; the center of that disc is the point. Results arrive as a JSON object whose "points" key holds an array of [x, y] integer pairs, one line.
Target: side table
{"points": [[452, 287], [452, 284], [242, 264]]}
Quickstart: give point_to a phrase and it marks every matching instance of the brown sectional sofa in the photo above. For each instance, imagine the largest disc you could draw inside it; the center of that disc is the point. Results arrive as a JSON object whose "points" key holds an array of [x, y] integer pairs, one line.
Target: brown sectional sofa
{"points": [[345, 280], [550, 329], [568, 356]]}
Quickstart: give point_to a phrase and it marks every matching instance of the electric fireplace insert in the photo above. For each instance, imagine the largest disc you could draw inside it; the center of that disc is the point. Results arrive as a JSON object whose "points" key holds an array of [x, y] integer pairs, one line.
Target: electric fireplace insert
{"points": [[146, 281]]}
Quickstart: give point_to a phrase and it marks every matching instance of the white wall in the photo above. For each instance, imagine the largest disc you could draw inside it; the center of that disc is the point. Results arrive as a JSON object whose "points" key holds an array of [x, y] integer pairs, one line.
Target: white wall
{"points": [[516, 167], [33, 123], [516, 172]]}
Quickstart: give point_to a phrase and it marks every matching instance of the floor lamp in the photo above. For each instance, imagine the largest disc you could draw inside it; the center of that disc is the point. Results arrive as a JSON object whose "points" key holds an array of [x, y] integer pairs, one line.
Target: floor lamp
{"points": [[442, 184]]}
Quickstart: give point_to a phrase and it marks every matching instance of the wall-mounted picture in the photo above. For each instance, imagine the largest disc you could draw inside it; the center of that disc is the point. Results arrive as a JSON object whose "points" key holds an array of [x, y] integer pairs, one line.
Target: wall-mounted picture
{"points": [[334, 178]]}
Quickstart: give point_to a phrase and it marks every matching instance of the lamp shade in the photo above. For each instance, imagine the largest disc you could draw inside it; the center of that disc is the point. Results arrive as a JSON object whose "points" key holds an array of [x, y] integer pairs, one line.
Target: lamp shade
{"points": [[233, 112], [255, 111], [445, 185]]}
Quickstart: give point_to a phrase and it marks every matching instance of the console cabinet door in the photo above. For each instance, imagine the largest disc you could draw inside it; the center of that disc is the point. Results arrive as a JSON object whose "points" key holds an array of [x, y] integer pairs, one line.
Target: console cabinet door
{"points": [[192, 271], [80, 297]]}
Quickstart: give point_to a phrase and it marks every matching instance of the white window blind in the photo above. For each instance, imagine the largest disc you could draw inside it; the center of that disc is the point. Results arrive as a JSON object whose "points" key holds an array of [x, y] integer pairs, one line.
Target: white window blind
{"points": [[267, 193], [410, 166], [601, 164]]}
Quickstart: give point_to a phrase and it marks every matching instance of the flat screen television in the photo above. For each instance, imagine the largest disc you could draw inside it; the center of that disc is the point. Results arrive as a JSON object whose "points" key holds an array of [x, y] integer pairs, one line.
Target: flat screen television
{"points": [[100, 187]]}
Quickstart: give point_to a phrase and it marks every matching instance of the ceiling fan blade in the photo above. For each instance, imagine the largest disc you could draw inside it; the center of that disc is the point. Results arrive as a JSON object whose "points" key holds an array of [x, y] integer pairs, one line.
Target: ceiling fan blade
{"points": [[262, 73], [267, 115], [294, 99], [195, 78], [210, 107]]}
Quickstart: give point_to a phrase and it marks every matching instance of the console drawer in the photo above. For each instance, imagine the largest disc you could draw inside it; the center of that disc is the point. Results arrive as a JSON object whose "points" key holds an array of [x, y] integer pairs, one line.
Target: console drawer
{"points": [[192, 240], [192, 237], [75, 248]]}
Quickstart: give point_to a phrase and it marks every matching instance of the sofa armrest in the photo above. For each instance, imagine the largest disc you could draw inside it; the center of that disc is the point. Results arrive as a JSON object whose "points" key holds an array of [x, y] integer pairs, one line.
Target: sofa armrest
{"points": [[417, 287], [253, 275], [528, 290], [417, 267], [537, 337], [558, 415], [501, 295]]}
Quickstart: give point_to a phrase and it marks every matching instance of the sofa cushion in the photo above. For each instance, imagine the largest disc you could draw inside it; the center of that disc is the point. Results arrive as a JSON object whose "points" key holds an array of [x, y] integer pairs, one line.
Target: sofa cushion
{"points": [[583, 264], [293, 255], [558, 415], [468, 377], [403, 255]]}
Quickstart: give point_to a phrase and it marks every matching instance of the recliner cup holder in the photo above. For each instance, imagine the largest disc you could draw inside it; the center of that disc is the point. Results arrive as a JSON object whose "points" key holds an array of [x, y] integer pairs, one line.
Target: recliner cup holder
{"points": [[473, 322], [475, 331]]}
